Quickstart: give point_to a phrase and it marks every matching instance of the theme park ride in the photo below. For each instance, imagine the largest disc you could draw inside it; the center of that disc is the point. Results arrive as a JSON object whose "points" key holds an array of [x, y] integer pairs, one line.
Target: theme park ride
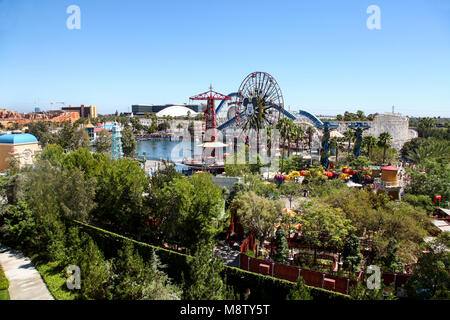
{"points": [[208, 160], [359, 128], [326, 127], [257, 105]]}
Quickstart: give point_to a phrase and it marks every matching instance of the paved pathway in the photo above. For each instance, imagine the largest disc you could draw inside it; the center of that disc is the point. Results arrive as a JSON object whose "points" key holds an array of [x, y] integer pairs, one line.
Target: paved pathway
{"points": [[25, 282], [230, 255]]}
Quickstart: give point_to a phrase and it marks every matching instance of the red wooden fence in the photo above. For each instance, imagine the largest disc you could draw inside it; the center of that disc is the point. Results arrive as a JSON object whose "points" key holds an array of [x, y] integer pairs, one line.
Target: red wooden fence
{"points": [[312, 278]]}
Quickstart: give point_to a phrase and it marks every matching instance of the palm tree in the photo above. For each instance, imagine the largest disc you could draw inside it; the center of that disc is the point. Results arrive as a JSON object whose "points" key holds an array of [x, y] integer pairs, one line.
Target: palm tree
{"points": [[436, 149], [369, 142], [385, 141], [335, 142], [310, 133], [291, 135], [299, 135], [283, 126], [424, 126], [349, 136]]}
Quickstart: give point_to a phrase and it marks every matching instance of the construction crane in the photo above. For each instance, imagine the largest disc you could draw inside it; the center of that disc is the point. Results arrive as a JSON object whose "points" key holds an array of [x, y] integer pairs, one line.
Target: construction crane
{"points": [[52, 103]]}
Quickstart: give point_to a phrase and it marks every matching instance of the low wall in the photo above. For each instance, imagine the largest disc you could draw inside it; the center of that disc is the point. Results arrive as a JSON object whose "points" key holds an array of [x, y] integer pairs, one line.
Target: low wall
{"points": [[226, 182], [312, 278]]}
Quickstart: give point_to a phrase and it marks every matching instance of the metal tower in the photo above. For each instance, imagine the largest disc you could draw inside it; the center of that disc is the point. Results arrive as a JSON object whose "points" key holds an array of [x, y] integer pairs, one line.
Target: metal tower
{"points": [[210, 112], [358, 127], [116, 143], [324, 153]]}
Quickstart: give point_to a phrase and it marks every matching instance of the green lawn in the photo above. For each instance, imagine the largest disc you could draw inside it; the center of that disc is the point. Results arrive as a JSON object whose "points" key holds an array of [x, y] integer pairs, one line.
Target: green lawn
{"points": [[53, 276], [4, 285]]}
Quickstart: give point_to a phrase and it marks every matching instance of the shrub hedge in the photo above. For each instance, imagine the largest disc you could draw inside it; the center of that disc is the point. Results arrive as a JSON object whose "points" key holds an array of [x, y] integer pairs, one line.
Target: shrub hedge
{"points": [[4, 285], [261, 286]]}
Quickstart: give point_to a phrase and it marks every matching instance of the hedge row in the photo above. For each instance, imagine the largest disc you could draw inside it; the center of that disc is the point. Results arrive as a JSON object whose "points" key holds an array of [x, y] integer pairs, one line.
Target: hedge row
{"points": [[4, 283], [261, 286]]}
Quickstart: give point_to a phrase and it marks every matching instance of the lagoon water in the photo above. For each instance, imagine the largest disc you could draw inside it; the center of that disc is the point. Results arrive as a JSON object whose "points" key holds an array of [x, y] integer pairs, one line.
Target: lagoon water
{"points": [[167, 150]]}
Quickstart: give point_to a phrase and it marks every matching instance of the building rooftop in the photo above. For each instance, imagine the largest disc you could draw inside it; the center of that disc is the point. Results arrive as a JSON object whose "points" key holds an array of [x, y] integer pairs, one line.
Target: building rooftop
{"points": [[176, 111], [389, 168], [18, 138]]}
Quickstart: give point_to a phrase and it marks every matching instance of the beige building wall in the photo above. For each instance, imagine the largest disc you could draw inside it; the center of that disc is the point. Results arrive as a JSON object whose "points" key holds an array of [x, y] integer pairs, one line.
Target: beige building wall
{"points": [[25, 153]]}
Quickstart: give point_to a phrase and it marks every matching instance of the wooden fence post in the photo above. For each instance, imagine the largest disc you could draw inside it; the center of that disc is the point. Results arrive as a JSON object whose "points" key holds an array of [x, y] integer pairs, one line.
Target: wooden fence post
{"points": [[273, 267]]}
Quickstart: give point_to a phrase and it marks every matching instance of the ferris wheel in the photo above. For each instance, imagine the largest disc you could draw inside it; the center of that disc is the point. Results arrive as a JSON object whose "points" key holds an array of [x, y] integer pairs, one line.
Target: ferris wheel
{"points": [[257, 105]]}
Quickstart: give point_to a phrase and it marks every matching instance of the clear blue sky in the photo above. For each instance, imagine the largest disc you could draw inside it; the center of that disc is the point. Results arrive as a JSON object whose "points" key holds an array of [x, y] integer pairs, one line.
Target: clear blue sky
{"points": [[135, 52]]}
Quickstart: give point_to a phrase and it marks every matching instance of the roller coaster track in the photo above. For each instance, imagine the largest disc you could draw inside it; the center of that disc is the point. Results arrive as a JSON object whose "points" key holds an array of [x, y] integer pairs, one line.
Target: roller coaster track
{"points": [[317, 123]]}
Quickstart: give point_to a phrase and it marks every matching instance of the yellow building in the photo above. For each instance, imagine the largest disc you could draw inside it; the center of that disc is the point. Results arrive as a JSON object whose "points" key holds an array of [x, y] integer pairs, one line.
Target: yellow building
{"points": [[22, 147], [390, 183], [83, 110]]}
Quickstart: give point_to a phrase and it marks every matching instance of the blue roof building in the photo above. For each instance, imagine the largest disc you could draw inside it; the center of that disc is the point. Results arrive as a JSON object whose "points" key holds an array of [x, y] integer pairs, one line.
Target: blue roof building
{"points": [[21, 147], [17, 138]]}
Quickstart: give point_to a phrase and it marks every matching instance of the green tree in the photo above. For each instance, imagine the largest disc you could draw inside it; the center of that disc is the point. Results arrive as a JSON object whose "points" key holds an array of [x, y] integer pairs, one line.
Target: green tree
{"points": [[18, 225], [50, 196], [285, 126], [291, 190], [435, 181], [352, 254], [360, 162], [369, 142], [85, 253], [136, 124], [65, 137], [183, 205], [324, 226], [164, 126], [133, 279], [362, 292], [424, 126], [310, 133], [431, 277], [120, 204], [298, 136], [258, 214], [420, 201], [281, 245], [81, 139], [384, 141], [335, 143], [204, 280], [103, 142], [391, 260], [431, 149], [349, 136], [300, 291], [53, 153], [41, 130], [129, 143]]}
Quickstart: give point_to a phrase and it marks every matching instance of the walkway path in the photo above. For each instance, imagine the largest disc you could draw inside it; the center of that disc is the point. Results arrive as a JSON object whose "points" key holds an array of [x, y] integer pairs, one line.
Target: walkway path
{"points": [[230, 255], [25, 282]]}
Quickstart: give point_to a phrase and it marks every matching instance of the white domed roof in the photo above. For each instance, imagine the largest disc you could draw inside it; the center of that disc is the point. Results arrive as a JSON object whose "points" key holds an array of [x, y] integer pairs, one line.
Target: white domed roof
{"points": [[176, 111]]}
